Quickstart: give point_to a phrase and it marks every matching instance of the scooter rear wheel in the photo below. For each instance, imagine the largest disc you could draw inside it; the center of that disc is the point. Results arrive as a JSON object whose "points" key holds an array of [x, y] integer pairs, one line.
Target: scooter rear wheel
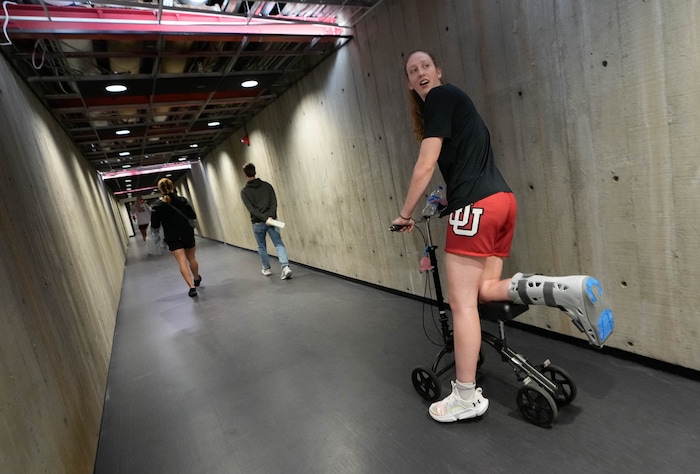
{"points": [[566, 388]]}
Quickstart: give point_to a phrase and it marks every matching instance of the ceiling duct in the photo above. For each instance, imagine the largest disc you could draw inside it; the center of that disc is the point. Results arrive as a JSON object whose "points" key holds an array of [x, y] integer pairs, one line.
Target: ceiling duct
{"points": [[122, 63], [192, 3], [174, 63], [79, 66]]}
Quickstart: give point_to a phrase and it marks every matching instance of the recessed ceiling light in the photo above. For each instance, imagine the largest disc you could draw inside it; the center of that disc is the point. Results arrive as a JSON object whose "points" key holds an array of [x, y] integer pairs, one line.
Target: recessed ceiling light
{"points": [[168, 175], [182, 158], [115, 88], [123, 132], [194, 145], [126, 166], [214, 124], [127, 180], [251, 83], [124, 153]]}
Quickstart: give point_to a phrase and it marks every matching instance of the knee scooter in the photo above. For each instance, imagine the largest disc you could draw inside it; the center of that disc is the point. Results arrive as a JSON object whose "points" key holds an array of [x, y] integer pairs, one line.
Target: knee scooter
{"points": [[545, 387]]}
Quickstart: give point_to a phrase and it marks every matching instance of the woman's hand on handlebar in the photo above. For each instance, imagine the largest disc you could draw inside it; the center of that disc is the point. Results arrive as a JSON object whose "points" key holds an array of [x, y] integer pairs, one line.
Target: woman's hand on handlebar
{"points": [[402, 225]]}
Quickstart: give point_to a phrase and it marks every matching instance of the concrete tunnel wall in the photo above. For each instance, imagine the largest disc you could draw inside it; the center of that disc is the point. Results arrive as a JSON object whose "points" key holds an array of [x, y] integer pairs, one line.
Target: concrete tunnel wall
{"points": [[593, 109]]}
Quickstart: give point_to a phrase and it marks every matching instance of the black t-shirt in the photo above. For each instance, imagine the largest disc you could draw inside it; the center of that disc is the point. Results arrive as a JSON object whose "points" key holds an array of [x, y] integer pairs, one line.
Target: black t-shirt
{"points": [[466, 159]]}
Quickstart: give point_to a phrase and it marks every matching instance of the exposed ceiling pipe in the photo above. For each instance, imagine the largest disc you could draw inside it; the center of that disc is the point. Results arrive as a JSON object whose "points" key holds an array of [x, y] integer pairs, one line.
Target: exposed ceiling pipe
{"points": [[29, 21], [193, 3], [365, 13], [82, 66], [125, 65], [172, 64]]}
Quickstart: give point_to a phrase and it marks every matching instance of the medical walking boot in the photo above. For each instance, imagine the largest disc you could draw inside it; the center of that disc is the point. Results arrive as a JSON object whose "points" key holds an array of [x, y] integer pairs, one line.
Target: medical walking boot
{"points": [[579, 296]]}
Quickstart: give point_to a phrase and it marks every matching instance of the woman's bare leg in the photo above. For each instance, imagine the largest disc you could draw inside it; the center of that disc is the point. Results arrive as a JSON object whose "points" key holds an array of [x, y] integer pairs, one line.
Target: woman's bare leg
{"points": [[492, 288], [194, 264], [181, 258], [464, 277]]}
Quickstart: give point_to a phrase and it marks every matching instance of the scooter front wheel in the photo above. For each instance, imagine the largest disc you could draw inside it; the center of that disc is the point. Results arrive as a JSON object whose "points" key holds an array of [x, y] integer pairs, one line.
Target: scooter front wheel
{"points": [[426, 383], [536, 405]]}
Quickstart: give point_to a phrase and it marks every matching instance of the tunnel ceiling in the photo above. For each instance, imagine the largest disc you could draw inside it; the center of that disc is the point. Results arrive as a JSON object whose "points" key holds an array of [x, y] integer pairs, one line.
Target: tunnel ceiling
{"points": [[184, 66]]}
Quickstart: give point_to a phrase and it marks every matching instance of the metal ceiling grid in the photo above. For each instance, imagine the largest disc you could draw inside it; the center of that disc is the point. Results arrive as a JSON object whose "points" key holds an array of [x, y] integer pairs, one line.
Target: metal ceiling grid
{"points": [[182, 63]]}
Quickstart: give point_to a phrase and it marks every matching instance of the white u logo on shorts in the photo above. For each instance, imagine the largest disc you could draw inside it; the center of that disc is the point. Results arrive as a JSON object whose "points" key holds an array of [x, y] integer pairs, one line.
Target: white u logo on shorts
{"points": [[461, 218]]}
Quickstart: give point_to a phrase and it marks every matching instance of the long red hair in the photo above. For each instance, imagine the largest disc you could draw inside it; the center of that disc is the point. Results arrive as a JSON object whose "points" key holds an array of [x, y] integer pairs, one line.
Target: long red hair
{"points": [[416, 103]]}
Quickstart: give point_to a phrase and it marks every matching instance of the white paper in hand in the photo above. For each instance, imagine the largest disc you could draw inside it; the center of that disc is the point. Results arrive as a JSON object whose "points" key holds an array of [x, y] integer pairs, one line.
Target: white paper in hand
{"points": [[274, 222]]}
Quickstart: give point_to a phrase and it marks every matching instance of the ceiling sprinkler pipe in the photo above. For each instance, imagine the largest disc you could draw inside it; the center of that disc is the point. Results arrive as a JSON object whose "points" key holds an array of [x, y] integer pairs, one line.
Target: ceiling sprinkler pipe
{"points": [[195, 3]]}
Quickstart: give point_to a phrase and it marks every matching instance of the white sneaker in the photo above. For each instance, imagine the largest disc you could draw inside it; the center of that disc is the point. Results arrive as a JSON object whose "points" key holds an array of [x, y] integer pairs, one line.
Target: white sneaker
{"points": [[453, 408], [266, 271], [286, 273]]}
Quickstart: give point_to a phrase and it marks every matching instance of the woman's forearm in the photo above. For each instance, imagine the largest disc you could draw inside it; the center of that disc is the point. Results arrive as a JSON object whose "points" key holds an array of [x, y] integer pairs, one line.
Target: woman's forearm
{"points": [[422, 173]]}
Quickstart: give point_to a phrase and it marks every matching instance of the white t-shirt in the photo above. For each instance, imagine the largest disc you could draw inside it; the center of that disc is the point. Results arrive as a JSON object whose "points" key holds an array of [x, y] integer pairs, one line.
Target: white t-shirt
{"points": [[143, 217]]}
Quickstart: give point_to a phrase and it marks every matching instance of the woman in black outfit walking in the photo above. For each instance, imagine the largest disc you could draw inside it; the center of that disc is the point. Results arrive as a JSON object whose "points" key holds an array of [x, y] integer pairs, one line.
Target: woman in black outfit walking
{"points": [[173, 212]]}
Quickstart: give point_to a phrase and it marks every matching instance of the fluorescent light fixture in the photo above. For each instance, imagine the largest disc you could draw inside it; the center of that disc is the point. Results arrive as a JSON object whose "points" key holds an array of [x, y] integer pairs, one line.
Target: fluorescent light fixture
{"points": [[169, 175], [214, 124], [124, 153], [250, 83], [126, 166], [182, 158], [115, 88], [194, 145], [123, 132], [127, 180]]}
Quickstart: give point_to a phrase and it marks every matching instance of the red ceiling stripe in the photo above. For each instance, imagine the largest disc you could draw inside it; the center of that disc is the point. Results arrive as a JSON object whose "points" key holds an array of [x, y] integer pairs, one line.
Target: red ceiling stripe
{"points": [[31, 20]]}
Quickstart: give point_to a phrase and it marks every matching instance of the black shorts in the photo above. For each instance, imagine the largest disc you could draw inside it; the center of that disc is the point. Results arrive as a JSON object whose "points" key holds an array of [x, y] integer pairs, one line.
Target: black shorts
{"points": [[182, 243]]}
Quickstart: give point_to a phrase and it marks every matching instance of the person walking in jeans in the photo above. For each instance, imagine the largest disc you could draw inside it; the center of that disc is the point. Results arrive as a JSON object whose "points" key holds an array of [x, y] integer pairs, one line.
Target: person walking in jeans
{"points": [[260, 200]]}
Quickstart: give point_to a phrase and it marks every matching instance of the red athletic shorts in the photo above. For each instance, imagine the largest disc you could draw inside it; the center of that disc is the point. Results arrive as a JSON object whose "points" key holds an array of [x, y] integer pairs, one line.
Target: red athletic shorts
{"points": [[483, 229]]}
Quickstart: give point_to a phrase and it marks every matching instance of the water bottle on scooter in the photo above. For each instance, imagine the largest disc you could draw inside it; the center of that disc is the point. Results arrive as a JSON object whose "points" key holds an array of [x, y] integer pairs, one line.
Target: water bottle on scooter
{"points": [[433, 204]]}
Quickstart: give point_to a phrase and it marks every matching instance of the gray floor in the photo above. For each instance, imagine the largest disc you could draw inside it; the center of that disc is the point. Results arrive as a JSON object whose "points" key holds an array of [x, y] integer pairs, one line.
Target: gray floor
{"points": [[313, 375]]}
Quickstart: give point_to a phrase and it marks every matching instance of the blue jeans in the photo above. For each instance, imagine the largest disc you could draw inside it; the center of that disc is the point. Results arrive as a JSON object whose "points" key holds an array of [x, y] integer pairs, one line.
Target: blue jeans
{"points": [[261, 230]]}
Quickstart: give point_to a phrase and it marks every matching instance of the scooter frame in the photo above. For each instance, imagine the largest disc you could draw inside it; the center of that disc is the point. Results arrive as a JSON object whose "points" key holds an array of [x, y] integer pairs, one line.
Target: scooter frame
{"points": [[545, 387]]}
